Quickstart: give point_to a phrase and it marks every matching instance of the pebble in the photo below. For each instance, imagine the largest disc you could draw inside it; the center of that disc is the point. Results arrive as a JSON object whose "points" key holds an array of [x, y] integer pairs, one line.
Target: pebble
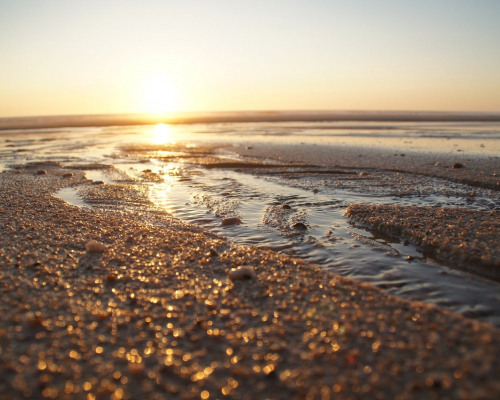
{"points": [[299, 225], [41, 172], [457, 165], [286, 207], [68, 175], [240, 273], [230, 221], [95, 247]]}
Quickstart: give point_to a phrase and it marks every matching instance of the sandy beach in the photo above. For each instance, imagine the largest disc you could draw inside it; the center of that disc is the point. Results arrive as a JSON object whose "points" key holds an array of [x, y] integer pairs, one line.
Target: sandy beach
{"points": [[155, 313], [250, 200]]}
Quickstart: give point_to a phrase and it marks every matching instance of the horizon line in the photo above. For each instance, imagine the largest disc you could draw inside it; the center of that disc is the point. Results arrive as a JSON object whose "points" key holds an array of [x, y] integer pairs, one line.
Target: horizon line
{"points": [[194, 117]]}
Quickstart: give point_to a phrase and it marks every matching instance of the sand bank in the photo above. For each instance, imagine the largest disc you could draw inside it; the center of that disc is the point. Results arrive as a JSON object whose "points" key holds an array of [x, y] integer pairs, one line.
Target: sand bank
{"points": [[155, 316], [467, 239]]}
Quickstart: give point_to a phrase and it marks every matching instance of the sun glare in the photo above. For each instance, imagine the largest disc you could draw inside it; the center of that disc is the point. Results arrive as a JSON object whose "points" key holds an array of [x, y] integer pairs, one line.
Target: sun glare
{"points": [[159, 95], [162, 134]]}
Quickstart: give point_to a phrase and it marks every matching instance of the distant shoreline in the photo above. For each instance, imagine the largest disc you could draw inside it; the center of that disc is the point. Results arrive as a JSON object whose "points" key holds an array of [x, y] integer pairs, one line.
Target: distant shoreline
{"points": [[80, 121]]}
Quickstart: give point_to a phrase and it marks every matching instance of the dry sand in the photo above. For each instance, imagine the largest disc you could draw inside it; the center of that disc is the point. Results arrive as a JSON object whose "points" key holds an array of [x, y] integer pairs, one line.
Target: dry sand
{"points": [[155, 316]]}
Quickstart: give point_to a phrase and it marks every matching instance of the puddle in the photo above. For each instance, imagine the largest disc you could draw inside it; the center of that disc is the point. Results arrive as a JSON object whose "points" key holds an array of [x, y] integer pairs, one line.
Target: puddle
{"points": [[98, 176], [70, 195]]}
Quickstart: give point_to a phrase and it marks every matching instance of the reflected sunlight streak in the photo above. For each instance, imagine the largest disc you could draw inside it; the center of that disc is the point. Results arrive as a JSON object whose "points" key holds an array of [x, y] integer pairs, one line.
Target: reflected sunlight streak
{"points": [[162, 134]]}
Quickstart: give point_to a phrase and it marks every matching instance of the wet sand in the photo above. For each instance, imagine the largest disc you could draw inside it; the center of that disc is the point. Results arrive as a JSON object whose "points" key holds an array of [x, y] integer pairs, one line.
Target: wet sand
{"points": [[473, 170], [467, 239], [155, 315]]}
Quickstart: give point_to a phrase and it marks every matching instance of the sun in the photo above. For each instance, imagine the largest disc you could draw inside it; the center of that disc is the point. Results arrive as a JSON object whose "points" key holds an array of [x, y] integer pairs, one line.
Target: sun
{"points": [[159, 94]]}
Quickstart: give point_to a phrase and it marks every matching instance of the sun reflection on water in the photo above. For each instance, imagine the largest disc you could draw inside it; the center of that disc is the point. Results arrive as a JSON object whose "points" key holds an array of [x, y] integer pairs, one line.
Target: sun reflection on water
{"points": [[162, 134]]}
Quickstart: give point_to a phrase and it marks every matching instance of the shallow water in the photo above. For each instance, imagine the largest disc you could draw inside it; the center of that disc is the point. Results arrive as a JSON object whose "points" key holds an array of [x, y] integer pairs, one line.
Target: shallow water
{"points": [[314, 227], [330, 240]]}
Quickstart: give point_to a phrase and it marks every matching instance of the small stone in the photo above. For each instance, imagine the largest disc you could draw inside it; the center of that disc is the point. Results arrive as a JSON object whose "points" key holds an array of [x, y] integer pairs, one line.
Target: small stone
{"points": [[98, 183], [299, 225], [94, 247], [286, 207], [68, 175], [212, 252], [147, 171], [315, 190], [363, 173], [230, 221], [437, 164], [239, 273], [457, 165], [41, 172], [249, 147]]}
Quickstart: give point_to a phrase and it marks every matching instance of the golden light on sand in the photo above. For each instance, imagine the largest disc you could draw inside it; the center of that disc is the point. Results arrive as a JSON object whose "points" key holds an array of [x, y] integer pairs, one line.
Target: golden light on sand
{"points": [[159, 94], [162, 134]]}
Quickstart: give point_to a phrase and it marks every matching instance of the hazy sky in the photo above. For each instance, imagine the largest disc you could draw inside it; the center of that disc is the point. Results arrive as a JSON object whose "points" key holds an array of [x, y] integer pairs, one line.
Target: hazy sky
{"points": [[116, 56]]}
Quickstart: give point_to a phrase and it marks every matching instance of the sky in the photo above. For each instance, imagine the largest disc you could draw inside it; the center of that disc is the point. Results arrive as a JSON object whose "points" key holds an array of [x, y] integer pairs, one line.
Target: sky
{"points": [[60, 57]]}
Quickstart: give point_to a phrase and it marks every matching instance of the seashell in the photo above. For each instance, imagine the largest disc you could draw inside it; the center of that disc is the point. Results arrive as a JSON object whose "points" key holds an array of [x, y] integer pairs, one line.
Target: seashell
{"points": [[94, 247], [230, 221], [244, 272]]}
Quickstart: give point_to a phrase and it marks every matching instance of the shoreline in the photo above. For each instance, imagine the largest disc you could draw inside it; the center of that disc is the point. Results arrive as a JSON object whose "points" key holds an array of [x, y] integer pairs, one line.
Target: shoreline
{"points": [[155, 314], [104, 120]]}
